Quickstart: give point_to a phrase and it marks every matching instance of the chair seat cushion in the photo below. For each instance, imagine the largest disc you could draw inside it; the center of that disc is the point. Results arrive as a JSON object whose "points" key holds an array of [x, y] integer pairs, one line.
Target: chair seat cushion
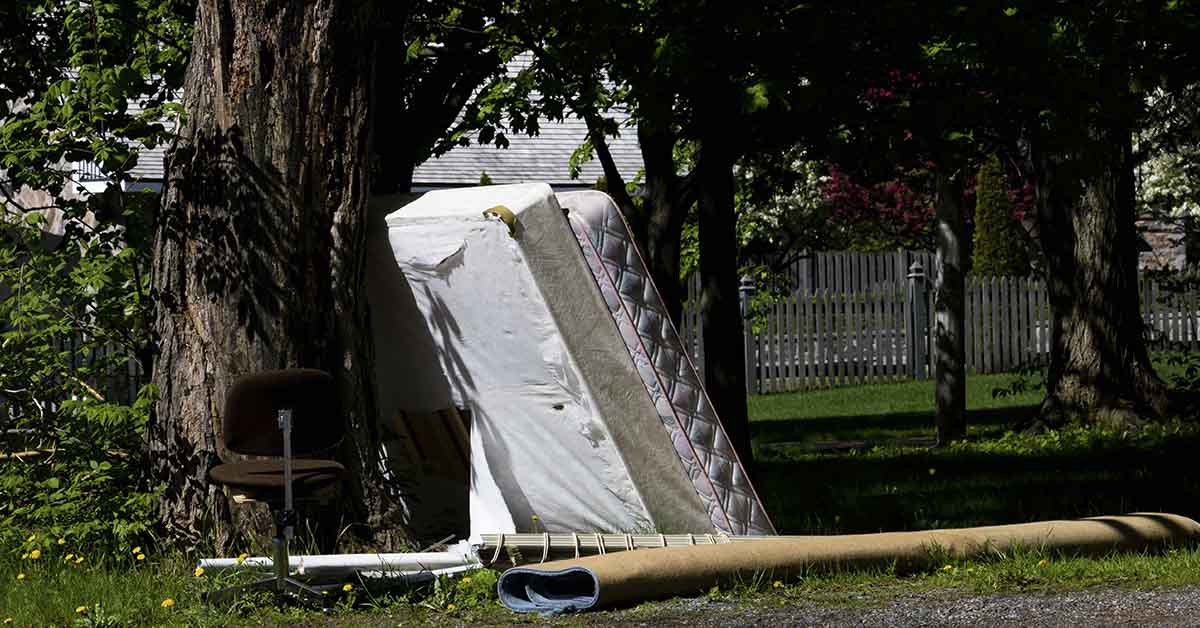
{"points": [[308, 475]]}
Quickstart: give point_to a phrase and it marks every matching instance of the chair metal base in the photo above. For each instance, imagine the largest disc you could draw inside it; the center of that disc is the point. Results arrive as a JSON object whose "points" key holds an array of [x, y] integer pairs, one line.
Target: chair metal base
{"points": [[285, 590]]}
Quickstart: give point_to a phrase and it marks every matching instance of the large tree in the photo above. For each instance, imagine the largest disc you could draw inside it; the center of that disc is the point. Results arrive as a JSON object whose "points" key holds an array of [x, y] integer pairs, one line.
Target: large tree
{"points": [[258, 251], [1092, 64]]}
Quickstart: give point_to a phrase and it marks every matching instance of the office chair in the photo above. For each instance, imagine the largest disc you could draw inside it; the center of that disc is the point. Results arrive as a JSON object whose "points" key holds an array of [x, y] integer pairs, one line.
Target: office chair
{"points": [[287, 415]]}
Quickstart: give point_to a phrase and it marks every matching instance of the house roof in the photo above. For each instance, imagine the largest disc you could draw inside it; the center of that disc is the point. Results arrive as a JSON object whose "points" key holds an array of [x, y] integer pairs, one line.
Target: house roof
{"points": [[541, 158], [544, 157]]}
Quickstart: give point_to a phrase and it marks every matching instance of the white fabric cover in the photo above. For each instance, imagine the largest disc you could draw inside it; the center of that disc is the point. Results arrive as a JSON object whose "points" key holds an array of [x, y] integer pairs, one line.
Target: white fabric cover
{"points": [[545, 450]]}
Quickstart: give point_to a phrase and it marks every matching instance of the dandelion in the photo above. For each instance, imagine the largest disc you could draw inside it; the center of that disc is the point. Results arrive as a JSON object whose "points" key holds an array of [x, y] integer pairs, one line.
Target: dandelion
{"points": [[82, 610], [451, 607], [79, 559], [68, 557], [466, 579], [32, 538], [62, 541], [20, 576], [137, 550], [1043, 562], [947, 568], [199, 572], [777, 585], [168, 603], [8, 620], [141, 557], [242, 558], [35, 554], [347, 587]]}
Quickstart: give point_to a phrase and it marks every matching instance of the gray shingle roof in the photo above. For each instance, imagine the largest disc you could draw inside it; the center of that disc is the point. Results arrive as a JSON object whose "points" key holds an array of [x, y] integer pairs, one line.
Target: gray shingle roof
{"points": [[543, 157]]}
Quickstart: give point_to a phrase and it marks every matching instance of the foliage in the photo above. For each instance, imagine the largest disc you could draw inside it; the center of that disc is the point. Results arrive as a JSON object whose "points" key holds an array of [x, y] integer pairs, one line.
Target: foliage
{"points": [[84, 83], [886, 215], [999, 245], [1169, 173]]}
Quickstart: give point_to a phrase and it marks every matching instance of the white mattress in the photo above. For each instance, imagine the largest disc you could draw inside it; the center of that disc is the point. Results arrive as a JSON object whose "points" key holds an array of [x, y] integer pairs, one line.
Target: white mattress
{"points": [[510, 324]]}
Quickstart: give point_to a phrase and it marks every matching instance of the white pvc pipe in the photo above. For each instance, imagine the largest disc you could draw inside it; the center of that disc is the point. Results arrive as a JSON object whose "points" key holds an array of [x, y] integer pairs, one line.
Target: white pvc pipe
{"points": [[323, 564]]}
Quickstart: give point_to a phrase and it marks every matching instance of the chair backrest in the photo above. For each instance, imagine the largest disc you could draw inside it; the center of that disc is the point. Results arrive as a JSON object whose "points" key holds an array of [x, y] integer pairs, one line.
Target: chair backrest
{"points": [[251, 427]]}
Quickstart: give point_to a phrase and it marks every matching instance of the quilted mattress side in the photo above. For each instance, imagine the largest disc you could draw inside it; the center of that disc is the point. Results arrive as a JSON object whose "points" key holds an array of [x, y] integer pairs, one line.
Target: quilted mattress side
{"points": [[666, 369]]}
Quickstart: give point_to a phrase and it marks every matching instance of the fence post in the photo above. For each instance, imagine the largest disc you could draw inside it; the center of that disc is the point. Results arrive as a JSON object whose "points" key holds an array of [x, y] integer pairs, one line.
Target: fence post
{"points": [[745, 291], [918, 321]]}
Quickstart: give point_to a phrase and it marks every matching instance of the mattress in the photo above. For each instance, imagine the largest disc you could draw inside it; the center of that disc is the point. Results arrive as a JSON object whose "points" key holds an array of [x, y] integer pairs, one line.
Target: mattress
{"points": [[665, 367], [565, 434]]}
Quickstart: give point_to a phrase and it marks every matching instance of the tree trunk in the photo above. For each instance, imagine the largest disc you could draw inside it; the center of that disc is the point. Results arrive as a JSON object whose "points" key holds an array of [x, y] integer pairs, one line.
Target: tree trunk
{"points": [[657, 225], [419, 99], [1099, 367], [724, 358], [258, 252], [665, 210], [949, 353]]}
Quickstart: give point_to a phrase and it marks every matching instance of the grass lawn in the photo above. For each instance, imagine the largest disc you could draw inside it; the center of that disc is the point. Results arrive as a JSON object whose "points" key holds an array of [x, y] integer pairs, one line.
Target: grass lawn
{"points": [[857, 459], [847, 460]]}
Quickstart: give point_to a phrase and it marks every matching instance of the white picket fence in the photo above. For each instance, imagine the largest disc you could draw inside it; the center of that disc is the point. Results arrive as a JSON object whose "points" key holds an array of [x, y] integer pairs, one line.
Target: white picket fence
{"points": [[857, 318]]}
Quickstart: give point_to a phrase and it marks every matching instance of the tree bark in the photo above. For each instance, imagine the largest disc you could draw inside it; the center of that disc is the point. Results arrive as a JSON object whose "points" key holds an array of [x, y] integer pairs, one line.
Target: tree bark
{"points": [[259, 248], [1099, 368], [724, 357], [949, 353]]}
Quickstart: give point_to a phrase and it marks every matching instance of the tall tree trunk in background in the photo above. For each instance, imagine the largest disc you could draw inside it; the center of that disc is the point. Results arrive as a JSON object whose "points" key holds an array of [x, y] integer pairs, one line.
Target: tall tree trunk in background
{"points": [[657, 225], [417, 100], [258, 253], [724, 355], [949, 353], [668, 199], [1099, 366]]}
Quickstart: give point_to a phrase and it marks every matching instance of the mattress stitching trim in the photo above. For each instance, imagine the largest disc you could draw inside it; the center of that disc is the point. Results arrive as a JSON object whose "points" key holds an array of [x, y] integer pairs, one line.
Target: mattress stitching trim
{"points": [[687, 356], [641, 345]]}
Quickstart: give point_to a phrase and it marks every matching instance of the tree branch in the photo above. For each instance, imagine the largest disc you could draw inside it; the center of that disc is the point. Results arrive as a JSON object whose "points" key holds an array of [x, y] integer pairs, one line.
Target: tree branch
{"points": [[616, 184]]}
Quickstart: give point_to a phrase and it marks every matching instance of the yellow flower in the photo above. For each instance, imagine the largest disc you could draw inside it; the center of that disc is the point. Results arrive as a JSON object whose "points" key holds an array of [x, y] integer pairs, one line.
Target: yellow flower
{"points": [[62, 541], [347, 587], [8, 620], [451, 607], [947, 568], [82, 610], [25, 556], [199, 572], [79, 559], [137, 550], [1043, 562], [141, 557], [168, 603], [932, 471], [32, 538], [242, 558], [35, 554], [536, 518], [466, 579], [20, 576], [68, 558], [777, 584]]}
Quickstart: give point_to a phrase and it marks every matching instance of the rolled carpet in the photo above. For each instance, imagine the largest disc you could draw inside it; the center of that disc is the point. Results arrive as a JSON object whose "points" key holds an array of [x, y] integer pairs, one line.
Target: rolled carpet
{"points": [[634, 576]]}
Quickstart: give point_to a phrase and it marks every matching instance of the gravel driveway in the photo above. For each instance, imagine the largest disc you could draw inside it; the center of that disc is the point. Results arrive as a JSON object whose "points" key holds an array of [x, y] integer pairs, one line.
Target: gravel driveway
{"points": [[1098, 607]]}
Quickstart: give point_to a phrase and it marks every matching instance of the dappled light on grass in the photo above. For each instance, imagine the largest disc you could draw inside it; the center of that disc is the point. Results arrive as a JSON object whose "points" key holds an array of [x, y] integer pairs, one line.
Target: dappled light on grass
{"points": [[851, 471]]}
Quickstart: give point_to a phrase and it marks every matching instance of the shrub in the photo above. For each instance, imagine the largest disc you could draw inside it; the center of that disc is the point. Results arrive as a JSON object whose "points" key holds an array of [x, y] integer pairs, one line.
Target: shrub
{"points": [[72, 414], [999, 247]]}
